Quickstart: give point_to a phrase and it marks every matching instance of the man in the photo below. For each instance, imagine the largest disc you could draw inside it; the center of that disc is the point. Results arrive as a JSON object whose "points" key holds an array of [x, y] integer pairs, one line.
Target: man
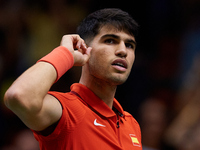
{"points": [[87, 117]]}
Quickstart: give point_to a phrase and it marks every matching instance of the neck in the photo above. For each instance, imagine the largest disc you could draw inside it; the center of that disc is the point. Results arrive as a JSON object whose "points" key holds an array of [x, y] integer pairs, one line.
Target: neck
{"points": [[102, 89]]}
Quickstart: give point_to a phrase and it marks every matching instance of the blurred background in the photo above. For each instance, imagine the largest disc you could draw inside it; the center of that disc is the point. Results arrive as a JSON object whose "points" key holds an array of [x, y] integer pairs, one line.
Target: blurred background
{"points": [[162, 90]]}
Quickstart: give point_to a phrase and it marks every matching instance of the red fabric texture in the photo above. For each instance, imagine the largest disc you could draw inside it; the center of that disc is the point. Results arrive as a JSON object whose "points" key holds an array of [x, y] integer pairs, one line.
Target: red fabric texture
{"points": [[88, 123]]}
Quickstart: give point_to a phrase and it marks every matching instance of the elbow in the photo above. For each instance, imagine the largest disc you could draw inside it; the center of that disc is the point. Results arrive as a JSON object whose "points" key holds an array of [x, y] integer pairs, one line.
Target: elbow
{"points": [[19, 101], [12, 98]]}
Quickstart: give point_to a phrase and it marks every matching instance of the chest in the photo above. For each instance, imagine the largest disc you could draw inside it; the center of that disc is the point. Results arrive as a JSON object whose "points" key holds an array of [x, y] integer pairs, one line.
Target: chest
{"points": [[98, 132]]}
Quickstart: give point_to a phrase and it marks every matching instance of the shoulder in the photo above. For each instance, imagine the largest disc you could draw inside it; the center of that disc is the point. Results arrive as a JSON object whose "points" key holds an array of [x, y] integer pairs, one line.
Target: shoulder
{"points": [[71, 105], [68, 101], [62, 96], [132, 120]]}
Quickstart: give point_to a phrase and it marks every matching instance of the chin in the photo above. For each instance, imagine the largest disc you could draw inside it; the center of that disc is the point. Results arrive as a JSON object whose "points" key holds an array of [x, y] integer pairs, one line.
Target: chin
{"points": [[118, 81]]}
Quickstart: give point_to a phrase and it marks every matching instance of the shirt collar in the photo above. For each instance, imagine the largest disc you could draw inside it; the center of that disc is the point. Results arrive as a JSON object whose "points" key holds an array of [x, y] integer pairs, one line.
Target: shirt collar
{"points": [[94, 101]]}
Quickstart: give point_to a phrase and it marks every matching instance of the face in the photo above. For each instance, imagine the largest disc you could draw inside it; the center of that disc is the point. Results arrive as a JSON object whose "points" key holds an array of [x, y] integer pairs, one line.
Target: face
{"points": [[112, 55]]}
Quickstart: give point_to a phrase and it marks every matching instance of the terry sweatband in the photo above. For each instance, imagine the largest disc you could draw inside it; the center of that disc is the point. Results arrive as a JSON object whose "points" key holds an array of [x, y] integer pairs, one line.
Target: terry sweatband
{"points": [[61, 58]]}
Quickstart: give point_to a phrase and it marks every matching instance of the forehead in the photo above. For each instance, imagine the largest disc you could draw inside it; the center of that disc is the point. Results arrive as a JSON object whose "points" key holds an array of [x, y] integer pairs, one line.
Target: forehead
{"points": [[109, 29]]}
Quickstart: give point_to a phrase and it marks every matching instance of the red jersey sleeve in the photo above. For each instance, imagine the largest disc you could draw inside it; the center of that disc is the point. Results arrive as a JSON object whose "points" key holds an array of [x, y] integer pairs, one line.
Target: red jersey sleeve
{"points": [[72, 113]]}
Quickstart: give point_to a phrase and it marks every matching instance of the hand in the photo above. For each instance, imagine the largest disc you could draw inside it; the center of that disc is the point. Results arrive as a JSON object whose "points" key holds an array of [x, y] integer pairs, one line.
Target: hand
{"points": [[74, 41]]}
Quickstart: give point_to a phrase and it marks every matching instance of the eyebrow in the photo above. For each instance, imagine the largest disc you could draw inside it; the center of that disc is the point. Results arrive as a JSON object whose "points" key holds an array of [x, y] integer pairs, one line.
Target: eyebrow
{"points": [[118, 37]]}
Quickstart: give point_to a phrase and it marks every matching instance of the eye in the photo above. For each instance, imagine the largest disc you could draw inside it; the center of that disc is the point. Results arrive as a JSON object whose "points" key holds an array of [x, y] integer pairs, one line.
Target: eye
{"points": [[129, 45], [109, 41]]}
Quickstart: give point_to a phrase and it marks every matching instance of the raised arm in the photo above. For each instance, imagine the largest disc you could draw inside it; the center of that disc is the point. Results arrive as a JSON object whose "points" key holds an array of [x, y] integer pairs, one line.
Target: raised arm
{"points": [[27, 97]]}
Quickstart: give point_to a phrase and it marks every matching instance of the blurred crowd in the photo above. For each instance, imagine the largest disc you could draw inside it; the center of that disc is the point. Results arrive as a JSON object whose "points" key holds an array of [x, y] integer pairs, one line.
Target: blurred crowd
{"points": [[162, 92]]}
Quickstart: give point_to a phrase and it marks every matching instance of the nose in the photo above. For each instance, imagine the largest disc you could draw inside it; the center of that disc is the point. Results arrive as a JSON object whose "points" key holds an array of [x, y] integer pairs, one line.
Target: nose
{"points": [[121, 50]]}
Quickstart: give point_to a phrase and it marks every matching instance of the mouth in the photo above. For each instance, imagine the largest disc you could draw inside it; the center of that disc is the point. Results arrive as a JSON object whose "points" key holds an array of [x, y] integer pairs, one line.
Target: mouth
{"points": [[120, 64]]}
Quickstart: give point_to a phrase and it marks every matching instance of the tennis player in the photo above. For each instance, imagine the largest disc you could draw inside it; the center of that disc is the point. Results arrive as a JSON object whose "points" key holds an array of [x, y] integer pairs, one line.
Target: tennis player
{"points": [[88, 117]]}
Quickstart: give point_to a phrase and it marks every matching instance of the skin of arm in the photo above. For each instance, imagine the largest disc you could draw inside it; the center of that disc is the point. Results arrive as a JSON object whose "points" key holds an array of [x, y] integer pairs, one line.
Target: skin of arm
{"points": [[27, 97]]}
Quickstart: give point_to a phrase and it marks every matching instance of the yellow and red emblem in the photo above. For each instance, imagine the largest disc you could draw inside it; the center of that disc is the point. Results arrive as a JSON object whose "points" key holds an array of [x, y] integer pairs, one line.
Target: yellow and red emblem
{"points": [[135, 140]]}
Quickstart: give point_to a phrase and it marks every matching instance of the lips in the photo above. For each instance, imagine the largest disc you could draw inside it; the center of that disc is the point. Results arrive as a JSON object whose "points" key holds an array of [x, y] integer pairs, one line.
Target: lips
{"points": [[120, 64]]}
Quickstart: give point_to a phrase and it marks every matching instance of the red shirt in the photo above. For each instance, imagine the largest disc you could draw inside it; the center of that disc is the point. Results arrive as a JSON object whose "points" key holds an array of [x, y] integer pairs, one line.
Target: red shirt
{"points": [[87, 123]]}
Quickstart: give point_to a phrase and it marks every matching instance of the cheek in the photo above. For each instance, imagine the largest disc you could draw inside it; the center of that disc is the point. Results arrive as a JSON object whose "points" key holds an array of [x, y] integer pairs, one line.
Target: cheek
{"points": [[100, 56], [99, 61], [131, 58]]}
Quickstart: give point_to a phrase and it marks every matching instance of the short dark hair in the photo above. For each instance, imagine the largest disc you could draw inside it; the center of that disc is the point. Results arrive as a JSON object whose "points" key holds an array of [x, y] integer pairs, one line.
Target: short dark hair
{"points": [[121, 20]]}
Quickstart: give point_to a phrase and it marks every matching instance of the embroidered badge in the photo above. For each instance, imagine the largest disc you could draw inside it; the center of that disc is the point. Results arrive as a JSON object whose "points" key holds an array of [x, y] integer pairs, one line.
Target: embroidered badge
{"points": [[134, 140]]}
